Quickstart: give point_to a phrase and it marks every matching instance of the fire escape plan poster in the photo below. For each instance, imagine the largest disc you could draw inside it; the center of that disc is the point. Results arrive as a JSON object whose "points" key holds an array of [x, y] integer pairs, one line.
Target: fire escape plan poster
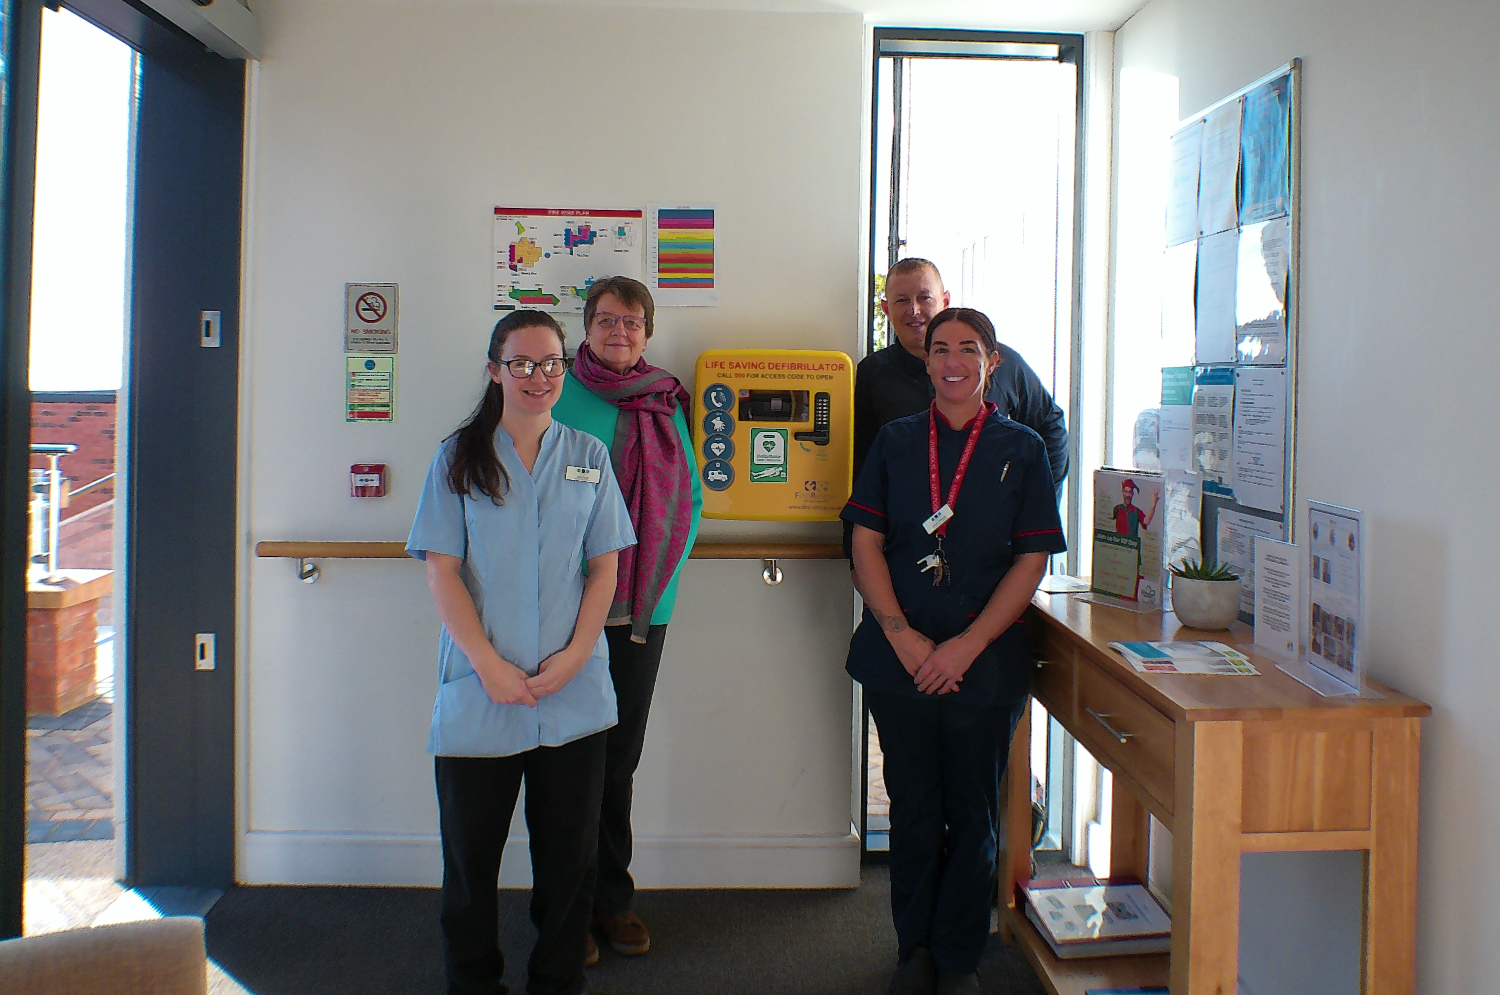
{"points": [[548, 257]]}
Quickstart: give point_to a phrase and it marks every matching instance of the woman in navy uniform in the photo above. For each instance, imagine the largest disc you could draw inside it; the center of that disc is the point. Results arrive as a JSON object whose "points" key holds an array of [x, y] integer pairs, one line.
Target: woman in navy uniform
{"points": [[954, 517]]}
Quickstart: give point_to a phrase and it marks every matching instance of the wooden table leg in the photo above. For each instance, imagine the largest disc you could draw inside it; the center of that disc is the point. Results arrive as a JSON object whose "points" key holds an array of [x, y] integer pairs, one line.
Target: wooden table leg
{"points": [[1017, 816], [1390, 962], [1206, 859], [1129, 834]]}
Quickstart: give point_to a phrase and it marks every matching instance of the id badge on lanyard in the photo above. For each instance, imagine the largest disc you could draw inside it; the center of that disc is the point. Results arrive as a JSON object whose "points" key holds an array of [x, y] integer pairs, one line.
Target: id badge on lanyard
{"points": [[937, 523]]}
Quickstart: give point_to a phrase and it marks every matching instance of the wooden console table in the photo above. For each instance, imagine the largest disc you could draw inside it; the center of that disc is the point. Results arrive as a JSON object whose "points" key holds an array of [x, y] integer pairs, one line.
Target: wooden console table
{"points": [[1230, 765]]}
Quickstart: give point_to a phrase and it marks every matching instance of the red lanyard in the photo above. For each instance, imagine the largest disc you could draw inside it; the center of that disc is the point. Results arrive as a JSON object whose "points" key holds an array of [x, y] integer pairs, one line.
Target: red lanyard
{"points": [[963, 461]]}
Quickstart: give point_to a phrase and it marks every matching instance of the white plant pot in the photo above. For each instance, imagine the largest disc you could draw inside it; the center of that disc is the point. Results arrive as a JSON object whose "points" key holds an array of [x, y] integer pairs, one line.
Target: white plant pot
{"points": [[1205, 604]]}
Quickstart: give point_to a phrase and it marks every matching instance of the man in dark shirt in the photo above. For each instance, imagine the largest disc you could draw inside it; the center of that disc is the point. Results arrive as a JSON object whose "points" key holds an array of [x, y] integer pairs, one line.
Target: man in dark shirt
{"points": [[893, 382]]}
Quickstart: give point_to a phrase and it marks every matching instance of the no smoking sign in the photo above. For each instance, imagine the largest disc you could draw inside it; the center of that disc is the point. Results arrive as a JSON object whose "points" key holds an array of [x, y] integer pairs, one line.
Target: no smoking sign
{"points": [[370, 313]]}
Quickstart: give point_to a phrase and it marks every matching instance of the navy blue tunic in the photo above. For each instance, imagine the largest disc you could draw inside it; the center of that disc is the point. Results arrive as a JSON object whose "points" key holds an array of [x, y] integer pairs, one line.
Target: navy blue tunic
{"points": [[1000, 514]]}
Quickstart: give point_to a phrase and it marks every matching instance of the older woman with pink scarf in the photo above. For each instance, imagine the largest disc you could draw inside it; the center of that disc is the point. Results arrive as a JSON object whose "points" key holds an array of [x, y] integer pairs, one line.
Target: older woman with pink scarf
{"points": [[640, 412]]}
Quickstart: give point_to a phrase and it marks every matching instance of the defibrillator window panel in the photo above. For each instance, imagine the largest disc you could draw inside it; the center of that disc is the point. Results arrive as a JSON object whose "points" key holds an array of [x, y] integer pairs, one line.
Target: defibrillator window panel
{"points": [[773, 405]]}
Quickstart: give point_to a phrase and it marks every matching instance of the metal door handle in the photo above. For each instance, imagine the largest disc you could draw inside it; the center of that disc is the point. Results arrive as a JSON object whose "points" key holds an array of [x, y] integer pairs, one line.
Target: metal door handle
{"points": [[1100, 718]]}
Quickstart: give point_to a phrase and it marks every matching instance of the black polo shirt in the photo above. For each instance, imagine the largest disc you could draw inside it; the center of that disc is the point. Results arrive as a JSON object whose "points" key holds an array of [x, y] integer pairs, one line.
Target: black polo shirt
{"points": [[892, 383], [1006, 507]]}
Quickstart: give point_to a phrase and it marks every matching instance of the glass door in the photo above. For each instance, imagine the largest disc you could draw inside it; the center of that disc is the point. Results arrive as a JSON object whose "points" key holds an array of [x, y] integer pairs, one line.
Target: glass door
{"points": [[974, 156]]}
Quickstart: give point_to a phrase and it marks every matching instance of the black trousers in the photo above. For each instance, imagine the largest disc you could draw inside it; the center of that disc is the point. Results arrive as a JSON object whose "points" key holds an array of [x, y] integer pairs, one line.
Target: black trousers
{"points": [[476, 799], [942, 771], [633, 666]]}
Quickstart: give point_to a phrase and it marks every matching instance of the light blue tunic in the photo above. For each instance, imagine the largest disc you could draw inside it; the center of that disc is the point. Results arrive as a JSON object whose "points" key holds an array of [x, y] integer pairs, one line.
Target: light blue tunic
{"points": [[523, 566]]}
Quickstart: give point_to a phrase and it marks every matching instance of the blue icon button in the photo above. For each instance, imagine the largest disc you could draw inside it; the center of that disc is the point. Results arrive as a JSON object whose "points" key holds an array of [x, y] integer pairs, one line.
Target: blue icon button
{"points": [[718, 474], [718, 398], [718, 447], [718, 423]]}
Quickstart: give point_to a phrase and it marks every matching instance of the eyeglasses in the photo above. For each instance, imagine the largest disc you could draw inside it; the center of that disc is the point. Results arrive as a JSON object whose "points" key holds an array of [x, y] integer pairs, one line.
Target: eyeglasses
{"points": [[608, 321], [522, 369]]}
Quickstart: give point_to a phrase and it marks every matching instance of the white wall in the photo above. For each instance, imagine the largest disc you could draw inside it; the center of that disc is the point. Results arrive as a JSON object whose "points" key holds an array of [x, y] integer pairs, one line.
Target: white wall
{"points": [[1398, 369], [381, 135]]}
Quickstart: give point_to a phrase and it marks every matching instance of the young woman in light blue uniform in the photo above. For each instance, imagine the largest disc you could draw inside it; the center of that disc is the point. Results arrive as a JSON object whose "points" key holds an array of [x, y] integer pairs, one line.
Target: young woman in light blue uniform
{"points": [[514, 507]]}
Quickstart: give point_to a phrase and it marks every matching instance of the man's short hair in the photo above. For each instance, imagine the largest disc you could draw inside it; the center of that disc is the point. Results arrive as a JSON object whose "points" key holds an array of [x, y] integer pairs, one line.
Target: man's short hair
{"points": [[913, 264]]}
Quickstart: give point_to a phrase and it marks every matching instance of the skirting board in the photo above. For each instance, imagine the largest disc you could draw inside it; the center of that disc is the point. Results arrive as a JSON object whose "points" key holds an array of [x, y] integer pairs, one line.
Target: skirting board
{"points": [[301, 857]]}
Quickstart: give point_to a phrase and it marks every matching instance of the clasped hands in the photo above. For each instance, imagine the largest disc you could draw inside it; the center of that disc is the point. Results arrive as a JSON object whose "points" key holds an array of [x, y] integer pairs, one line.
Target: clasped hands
{"points": [[934, 668], [507, 684]]}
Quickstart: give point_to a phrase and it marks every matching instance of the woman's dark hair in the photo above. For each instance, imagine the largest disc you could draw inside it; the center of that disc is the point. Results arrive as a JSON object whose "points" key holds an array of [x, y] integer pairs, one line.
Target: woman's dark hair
{"points": [[976, 320], [632, 293], [474, 463]]}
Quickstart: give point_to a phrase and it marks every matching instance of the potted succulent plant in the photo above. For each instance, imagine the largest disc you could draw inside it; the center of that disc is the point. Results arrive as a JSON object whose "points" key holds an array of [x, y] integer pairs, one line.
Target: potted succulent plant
{"points": [[1205, 594]]}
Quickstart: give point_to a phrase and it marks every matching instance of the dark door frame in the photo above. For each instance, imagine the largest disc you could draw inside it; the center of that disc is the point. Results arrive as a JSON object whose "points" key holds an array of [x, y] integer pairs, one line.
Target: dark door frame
{"points": [[21, 47], [181, 448]]}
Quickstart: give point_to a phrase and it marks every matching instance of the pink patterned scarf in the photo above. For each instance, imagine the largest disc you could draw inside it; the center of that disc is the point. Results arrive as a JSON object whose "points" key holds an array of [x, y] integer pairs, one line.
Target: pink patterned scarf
{"points": [[655, 475]]}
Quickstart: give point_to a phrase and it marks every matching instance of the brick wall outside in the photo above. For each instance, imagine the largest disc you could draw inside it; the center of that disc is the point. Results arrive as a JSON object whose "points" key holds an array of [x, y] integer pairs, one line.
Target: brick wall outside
{"points": [[87, 421]]}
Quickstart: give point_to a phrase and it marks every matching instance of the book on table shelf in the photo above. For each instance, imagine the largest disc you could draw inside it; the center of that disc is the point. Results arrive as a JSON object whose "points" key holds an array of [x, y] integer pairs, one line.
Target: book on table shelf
{"points": [[1097, 919]]}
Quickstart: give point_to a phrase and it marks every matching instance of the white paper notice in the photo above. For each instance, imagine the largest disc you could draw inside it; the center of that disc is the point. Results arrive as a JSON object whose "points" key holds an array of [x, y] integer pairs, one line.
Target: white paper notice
{"points": [[1260, 293], [1184, 517], [1174, 437], [1219, 170], [1218, 269], [1213, 430], [1182, 192], [1258, 470], [1236, 532], [1278, 597], [1174, 426], [1179, 323]]}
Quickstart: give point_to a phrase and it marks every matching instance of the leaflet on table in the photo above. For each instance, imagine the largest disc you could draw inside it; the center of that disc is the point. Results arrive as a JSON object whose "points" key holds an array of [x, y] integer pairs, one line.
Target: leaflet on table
{"points": [[1278, 572], [1265, 134], [1213, 426], [1185, 658], [1174, 426], [1182, 184], [1258, 469], [1127, 550], [1260, 293], [1219, 170], [1335, 584], [1236, 533], [1183, 526], [1218, 269]]}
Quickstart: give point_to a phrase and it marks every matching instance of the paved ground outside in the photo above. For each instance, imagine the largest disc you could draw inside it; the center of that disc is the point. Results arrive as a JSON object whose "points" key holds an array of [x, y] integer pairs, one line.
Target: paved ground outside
{"points": [[70, 765]]}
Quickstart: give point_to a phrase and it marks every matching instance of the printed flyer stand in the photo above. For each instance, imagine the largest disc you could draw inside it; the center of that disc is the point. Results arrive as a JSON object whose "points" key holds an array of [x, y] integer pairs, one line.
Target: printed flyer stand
{"points": [[1129, 562], [1333, 661]]}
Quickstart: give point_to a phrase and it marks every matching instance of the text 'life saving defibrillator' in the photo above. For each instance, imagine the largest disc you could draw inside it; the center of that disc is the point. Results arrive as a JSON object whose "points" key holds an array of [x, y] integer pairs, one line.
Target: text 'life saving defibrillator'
{"points": [[774, 430]]}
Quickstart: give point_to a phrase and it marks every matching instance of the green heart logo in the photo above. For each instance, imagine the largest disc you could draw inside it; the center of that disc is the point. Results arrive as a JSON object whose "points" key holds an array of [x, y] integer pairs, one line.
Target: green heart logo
{"points": [[768, 442]]}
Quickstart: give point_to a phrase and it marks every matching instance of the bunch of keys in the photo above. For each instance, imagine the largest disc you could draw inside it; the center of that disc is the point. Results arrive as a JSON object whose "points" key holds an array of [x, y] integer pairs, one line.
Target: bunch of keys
{"points": [[937, 563]]}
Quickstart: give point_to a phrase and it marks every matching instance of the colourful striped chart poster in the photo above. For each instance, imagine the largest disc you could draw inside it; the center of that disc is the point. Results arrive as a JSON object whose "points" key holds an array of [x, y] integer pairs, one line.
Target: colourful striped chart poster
{"points": [[680, 255]]}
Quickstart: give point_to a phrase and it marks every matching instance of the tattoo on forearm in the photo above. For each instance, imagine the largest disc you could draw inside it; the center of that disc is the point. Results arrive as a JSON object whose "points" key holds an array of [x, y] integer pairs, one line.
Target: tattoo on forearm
{"points": [[890, 623]]}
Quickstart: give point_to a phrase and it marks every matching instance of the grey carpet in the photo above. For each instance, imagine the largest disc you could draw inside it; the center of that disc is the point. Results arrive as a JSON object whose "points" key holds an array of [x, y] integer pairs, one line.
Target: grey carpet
{"points": [[369, 941]]}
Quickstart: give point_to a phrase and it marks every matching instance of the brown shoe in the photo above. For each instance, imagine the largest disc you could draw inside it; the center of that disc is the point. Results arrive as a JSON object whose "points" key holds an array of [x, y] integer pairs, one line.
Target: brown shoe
{"points": [[625, 932], [591, 953]]}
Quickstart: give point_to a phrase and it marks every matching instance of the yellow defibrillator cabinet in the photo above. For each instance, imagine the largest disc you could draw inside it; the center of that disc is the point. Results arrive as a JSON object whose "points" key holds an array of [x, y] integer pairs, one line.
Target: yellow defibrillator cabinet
{"points": [[774, 429]]}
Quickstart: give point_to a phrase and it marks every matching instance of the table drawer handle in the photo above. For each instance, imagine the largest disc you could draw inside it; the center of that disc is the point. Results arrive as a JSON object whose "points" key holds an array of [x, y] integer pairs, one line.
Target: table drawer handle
{"points": [[1100, 718]]}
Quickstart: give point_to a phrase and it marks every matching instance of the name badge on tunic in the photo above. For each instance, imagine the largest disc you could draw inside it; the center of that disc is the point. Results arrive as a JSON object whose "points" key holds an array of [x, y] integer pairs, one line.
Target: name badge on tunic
{"points": [[935, 522], [587, 474]]}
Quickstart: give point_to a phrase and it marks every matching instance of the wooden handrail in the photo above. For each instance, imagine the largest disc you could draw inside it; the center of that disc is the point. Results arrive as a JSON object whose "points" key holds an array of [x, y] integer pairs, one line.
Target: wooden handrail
{"points": [[706, 550]]}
